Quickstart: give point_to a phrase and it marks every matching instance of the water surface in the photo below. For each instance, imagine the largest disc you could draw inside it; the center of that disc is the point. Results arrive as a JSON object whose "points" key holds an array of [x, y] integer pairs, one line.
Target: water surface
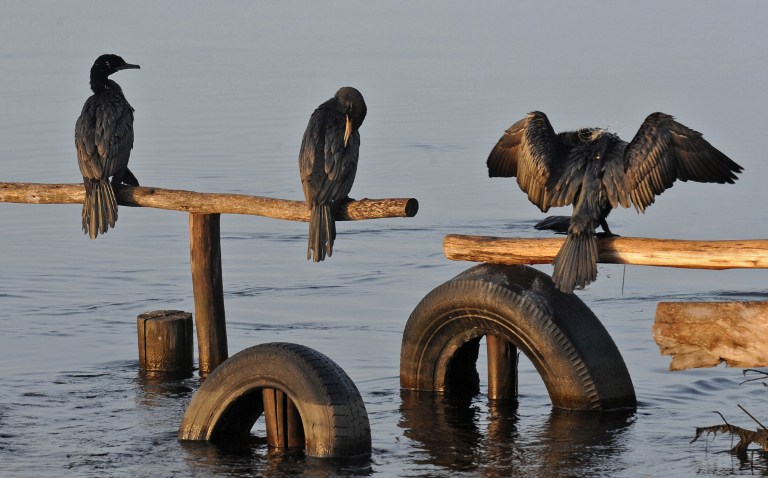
{"points": [[222, 99]]}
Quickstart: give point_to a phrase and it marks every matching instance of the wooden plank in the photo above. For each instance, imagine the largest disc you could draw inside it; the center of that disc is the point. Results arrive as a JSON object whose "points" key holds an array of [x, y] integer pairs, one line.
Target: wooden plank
{"points": [[613, 250], [703, 334], [207, 203], [283, 422], [208, 289]]}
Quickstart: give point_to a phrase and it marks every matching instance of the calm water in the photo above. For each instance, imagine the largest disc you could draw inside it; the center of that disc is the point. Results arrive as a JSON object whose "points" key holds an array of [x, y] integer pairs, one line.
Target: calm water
{"points": [[221, 102]]}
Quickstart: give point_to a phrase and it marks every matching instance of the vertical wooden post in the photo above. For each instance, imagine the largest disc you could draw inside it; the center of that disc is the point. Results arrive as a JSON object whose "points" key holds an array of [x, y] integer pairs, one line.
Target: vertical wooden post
{"points": [[208, 289], [284, 427], [502, 369], [165, 341]]}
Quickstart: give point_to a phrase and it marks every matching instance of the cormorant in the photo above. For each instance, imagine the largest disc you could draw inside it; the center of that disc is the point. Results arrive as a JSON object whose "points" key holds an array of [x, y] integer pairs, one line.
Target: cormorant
{"points": [[328, 163], [595, 171], [104, 138]]}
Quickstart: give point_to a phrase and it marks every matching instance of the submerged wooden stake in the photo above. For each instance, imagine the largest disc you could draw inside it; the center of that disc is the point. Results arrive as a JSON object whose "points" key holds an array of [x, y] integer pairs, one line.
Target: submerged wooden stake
{"points": [[704, 334], [165, 341], [502, 368], [615, 250], [283, 422], [208, 289]]}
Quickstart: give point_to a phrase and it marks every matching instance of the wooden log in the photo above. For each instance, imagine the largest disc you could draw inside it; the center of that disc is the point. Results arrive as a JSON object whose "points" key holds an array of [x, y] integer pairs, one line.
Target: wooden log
{"points": [[207, 203], [614, 250], [283, 422], [502, 368], [208, 289], [165, 341], [703, 334]]}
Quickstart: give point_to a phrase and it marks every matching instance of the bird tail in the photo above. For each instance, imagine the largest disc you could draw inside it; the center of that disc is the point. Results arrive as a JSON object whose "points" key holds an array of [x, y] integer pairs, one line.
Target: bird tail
{"points": [[99, 208], [322, 232], [576, 262]]}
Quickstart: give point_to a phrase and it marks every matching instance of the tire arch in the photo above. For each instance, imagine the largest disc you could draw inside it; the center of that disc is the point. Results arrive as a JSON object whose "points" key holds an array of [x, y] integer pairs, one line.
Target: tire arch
{"points": [[571, 350], [228, 403]]}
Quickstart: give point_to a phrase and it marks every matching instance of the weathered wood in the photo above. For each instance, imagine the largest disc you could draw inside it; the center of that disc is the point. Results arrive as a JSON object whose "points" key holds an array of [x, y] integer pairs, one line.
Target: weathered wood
{"points": [[614, 250], [283, 422], [502, 368], [207, 203], [703, 334], [165, 341], [208, 289]]}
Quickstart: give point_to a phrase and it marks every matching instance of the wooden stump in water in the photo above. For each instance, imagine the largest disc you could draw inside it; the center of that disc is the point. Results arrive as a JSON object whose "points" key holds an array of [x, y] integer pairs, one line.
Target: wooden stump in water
{"points": [[165, 341]]}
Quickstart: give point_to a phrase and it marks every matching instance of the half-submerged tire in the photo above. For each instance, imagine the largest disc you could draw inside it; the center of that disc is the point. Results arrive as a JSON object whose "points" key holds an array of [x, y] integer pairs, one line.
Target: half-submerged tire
{"points": [[576, 358], [333, 416]]}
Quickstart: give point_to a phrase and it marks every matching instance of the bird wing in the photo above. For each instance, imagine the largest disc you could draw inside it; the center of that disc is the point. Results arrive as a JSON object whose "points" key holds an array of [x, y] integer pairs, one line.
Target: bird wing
{"points": [[114, 133], [87, 155], [663, 151], [327, 167], [104, 136], [531, 151]]}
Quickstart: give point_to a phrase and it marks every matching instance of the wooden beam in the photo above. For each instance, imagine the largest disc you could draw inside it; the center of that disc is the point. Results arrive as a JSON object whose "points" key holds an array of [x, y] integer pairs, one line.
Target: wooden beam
{"points": [[207, 203], [703, 334], [613, 250]]}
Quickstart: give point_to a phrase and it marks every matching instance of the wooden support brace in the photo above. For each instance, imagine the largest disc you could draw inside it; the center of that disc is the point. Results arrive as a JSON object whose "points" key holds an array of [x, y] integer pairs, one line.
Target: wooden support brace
{"points": [[502, 368], [614, 250], [208, 289], [703, 334], [283, 422]]}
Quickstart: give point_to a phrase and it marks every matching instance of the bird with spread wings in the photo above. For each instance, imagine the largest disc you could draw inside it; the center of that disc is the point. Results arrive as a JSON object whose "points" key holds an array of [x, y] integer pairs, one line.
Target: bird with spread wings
{"points": [[596, 171]]}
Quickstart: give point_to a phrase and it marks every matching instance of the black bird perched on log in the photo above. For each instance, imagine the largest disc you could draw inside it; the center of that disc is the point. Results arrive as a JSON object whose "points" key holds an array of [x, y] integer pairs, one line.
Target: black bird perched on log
{"points": [[328, 163], [595, 171], [104, 138]]}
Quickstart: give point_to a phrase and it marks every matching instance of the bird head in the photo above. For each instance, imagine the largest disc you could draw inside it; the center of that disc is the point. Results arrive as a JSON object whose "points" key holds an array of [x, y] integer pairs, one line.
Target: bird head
{"points": [[602, 142], [105, 65], [353, 106]]}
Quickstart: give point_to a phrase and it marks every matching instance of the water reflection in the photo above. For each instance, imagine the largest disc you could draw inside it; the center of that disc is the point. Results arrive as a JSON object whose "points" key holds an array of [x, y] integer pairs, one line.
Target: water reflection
{"points": [[159, 389], [254, 458], [460, 435]]}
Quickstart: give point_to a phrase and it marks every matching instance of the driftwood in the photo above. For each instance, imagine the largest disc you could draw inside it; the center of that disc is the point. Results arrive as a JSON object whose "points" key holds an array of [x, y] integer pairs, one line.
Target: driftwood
{"points": [[614, 250], [703, 334], [207, 203], [746, 437]]}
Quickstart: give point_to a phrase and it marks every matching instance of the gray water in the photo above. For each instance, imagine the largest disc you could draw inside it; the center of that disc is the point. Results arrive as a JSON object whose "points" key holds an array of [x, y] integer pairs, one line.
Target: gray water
{"points": [[222, 99]]}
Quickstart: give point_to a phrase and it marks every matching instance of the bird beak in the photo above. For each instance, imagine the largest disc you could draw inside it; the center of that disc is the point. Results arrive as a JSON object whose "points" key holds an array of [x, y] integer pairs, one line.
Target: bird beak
{"points": [[347, 131], [128, 66]]}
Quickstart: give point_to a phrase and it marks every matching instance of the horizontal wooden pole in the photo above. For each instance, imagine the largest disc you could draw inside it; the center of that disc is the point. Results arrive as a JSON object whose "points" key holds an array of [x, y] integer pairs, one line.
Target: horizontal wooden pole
{"points": [[703, 334], [207, 203], [728, 254]]}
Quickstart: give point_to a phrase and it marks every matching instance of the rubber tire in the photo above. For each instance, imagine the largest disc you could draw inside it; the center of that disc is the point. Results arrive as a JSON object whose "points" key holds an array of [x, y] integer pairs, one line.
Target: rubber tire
{"points": [[576, 358], [229, 402]]}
